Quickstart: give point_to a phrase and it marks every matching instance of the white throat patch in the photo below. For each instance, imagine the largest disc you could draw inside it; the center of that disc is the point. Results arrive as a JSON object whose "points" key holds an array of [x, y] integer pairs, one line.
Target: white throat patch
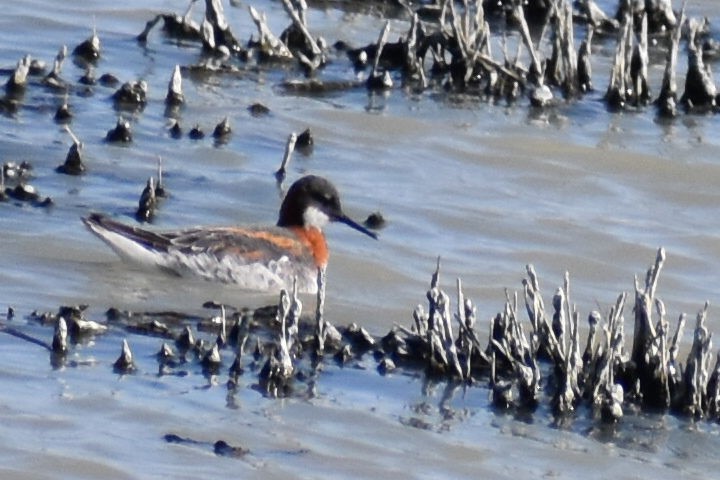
{"points": [[314, 217]]}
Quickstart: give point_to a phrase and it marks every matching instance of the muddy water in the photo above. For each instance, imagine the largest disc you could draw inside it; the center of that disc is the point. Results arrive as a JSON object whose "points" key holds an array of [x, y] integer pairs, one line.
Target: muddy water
{"points": [[487, 187]]}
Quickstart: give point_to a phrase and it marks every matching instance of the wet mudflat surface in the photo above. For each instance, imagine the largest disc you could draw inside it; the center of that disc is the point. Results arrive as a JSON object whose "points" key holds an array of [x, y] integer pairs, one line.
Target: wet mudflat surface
{"points": [[487, 186]]}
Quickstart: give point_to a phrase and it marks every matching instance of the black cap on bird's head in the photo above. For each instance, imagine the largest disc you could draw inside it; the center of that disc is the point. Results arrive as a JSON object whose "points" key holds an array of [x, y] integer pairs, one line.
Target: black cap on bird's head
{"points": [[313, 201]]}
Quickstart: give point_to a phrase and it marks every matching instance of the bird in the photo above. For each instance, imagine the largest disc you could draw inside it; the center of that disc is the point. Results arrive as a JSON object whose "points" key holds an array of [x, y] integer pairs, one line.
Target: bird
{"points": [[260, 258]]}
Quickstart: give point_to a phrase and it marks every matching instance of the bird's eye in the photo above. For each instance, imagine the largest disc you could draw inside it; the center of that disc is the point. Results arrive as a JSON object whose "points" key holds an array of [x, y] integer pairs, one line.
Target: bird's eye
{"points": [[324, 198]]}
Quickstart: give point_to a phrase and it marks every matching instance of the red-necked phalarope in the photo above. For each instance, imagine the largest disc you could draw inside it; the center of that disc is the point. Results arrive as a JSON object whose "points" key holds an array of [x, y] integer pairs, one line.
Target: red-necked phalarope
{"points": [[256, 258]]}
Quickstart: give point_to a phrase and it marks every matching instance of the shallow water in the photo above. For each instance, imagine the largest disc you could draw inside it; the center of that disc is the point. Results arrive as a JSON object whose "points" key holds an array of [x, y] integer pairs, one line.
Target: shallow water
{"points": [[488, 187]]}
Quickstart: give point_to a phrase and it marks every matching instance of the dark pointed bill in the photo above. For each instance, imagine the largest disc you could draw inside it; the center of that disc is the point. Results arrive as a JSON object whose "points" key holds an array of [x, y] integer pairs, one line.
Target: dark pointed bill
{"points": [[352, 223]]}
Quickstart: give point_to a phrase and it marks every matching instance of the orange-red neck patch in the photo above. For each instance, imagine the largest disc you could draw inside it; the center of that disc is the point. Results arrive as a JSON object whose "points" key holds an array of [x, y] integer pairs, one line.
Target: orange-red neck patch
{"points": [[314, 239]]}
